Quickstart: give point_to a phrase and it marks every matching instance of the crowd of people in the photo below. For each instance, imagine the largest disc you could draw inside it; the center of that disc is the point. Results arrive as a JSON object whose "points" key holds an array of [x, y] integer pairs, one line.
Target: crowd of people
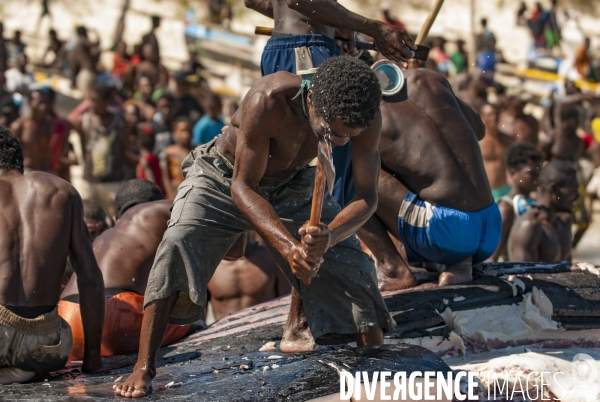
{"points": [[175, 208], [131, 123]]}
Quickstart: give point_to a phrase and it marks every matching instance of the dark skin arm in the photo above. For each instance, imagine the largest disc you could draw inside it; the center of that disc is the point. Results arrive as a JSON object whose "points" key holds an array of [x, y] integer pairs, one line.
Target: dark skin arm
{"points": [[524, 241], [252, 152], [166, 177], [90, 285], [508, 217], [546, 147], [391, 41], [66, 159], [265, 7], [365, 167], [251, 158], [569, 100]]}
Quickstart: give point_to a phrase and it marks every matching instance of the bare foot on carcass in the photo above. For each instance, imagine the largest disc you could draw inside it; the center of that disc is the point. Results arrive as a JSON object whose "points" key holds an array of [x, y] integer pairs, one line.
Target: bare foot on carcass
{"points": [[457, 273], [138, 384], [394, 276], [297, 337], [300, 342]]}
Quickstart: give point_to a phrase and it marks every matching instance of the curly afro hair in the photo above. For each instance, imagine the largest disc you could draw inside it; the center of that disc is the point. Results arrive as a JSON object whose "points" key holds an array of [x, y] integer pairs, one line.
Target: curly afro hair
{"points": [[11, 154], [346, 88], [520, 154], [134, 192], [559, 172]]}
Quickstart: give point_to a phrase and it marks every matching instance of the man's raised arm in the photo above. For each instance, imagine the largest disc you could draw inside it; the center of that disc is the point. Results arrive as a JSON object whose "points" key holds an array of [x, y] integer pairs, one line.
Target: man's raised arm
{"points": [[251, 157], [90, 284], [392, 42], [265, 7], [366, 165]]}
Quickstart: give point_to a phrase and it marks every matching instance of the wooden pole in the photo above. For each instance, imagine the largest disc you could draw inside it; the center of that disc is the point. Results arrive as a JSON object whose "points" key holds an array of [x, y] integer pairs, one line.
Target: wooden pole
{"points": [[318, 196], [429, 22], [472, 50]]}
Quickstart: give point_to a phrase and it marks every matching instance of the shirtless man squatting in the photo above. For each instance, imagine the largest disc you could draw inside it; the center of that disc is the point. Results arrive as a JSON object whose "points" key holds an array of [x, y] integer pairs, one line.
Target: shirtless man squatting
{"points": [[42, 213], [543, 234], [255, 177], [434, 195], [125, 254]]}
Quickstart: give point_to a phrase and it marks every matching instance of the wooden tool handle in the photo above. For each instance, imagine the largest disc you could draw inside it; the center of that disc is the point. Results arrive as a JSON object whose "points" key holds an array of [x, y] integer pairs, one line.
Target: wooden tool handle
{"points": [[429, 22], [263, 31], [318, 196], [266, 31], [317, 200]]}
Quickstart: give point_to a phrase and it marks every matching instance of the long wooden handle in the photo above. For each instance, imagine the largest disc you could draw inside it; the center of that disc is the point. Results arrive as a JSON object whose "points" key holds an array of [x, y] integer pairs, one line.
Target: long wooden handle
{"points": [[429, 22], [266, 31], [318, 196], [263, 31], [317, 201]]}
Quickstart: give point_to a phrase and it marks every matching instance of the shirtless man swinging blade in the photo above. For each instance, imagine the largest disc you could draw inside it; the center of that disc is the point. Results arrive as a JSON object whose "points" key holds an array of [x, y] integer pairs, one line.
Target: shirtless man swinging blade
{"points": [[255, 177]]}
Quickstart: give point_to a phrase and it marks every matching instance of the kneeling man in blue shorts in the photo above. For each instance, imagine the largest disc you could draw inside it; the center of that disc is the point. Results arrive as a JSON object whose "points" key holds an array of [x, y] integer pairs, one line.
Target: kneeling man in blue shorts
{"points": [[434, 195]]}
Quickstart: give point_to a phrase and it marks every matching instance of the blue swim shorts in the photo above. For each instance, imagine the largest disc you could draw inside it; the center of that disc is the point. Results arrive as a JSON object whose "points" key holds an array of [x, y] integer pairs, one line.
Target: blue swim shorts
{"points": [[443, 235], [280, 55]]}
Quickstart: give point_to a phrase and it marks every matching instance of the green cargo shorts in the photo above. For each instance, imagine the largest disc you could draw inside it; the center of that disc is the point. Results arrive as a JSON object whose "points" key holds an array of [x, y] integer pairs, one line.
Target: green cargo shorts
{"points": [[342, 299]]}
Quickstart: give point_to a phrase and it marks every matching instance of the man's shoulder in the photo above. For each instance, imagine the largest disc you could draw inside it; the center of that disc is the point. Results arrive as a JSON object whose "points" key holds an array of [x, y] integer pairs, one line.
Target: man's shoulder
{"points": [[46, 182], [276, 84], [425, 82], [415, 74], [270, 96], [530, 220], [148, 212]]}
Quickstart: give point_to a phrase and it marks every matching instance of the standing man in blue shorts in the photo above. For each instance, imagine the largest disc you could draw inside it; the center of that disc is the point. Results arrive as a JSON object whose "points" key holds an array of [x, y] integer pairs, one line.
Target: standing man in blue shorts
{"points": [[303, 37]]}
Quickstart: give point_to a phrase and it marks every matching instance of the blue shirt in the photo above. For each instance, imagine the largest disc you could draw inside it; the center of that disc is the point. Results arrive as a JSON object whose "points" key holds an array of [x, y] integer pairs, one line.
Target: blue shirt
{"points": [[206, 129]]}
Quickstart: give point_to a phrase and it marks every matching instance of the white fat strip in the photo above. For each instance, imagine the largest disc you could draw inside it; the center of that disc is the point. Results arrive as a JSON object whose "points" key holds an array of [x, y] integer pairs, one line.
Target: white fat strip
{"points": [[575, 384]]}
